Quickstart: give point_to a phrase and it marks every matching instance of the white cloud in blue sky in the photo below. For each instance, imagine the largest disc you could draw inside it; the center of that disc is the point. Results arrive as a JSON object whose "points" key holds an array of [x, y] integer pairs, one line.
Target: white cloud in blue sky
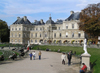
{"points": [[40, 9]]}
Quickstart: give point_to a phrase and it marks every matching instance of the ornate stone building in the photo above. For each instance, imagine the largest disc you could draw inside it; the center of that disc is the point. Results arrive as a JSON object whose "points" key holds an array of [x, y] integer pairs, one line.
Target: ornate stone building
{"points": [[22, 30]]}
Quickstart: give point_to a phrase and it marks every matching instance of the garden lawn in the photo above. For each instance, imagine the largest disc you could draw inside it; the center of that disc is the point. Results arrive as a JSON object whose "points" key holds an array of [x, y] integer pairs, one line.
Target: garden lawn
{"points": [[94, 52], [1, 53]]}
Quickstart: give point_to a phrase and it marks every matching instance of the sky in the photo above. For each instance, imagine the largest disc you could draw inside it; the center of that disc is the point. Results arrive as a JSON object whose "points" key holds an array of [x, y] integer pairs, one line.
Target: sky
{"points": [[40, 9]]}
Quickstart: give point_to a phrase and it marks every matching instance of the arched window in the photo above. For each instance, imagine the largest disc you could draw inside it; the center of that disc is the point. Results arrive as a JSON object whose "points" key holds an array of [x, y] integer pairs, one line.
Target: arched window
{"points": [[60, 35], [66, 34]]}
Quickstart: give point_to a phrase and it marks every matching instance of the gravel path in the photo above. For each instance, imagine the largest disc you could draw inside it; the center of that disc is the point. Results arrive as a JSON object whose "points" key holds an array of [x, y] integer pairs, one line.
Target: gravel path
{"points": [[50, 63]]}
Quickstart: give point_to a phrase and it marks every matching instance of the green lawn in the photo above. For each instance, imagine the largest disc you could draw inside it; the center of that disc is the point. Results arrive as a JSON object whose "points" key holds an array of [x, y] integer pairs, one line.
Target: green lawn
{"points": [[1, 53], [94, 59]]}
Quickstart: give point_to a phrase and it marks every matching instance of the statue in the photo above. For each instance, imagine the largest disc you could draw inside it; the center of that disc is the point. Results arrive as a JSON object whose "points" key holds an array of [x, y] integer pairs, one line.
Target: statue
{"points": [[85, 47], [28, 44]]}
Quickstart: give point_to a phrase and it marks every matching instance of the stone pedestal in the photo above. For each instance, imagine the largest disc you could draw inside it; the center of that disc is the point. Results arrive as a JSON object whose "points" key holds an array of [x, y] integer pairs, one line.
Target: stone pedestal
{"points": [[86, 60]]}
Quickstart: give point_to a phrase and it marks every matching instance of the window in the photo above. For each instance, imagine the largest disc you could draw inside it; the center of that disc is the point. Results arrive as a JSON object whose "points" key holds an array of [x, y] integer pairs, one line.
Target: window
{"points": [[30, 28], [72, 35], [19, 28], [11, 40], [40, 28], [36, 28], [12, 34], [72, 25], [59, 28], [12, 28], [31, 35], [24, 35], [79, 34], [15, 28], [40, 35], [19, 35], [66, 26], [15, 35], [60, 35], [66, 34], [19, 41], [31, 41], [35, 34], [54, 35], [45, 35], [15, 40], [35, 41]]}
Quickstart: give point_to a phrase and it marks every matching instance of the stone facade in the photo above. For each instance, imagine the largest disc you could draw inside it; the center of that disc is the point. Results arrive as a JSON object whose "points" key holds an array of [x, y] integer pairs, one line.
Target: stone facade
{"points": [[22, 31]]}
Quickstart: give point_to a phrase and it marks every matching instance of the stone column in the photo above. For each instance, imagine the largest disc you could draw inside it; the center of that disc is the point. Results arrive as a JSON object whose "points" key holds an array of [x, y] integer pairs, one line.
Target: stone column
{"points": [[86, 60]]}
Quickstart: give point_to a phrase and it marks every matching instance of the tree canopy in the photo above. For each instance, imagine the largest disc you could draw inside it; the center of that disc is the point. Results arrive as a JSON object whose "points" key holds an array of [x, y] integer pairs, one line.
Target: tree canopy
{"points": [[3, 29], [90, 20]]}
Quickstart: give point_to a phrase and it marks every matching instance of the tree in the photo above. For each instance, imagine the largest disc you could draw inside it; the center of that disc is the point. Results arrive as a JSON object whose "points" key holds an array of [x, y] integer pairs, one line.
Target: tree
{"points": [[90, 21], [3, 29]]}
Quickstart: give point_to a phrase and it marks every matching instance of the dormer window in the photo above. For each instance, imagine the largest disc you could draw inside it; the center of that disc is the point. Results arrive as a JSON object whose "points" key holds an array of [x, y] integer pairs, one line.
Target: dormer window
{"points": [[72, 26], [15, 28]]}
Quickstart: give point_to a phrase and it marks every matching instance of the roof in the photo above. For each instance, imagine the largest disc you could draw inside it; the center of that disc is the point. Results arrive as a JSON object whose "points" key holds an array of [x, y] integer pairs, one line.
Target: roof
{"points": [[22, 21], [38, 23], [50, 21], [59, 22], [74, 16]]}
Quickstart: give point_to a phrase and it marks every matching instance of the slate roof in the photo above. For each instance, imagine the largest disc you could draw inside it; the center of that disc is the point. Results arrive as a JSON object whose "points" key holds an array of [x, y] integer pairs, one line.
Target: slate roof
{"points": [[74, 16], [22, 21], [38, 23], [50, 21], [59, 22]]}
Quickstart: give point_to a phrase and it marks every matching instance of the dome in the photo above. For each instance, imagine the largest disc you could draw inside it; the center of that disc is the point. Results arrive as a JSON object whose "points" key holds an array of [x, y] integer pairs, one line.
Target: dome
{"points": [[50, 21]]}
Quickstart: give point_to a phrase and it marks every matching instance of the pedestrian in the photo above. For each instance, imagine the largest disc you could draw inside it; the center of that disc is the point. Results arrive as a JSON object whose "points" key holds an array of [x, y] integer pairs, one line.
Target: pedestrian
{"points": [[84, 68], [39, 55], [34, 55], [31, 56], [28, 49], [63, 58], [69, 57]]}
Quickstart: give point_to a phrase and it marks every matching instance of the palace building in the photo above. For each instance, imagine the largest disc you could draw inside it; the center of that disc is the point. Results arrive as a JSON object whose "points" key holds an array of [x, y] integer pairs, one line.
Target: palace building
{"points": [[61, 31]]}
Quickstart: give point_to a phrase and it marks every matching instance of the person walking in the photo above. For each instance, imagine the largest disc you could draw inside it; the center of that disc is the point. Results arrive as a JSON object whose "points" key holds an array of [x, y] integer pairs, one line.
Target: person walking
{"points": [[34, 55], [84, 68], [39, 55], [63, 58], [69, 57], [31, 56]]}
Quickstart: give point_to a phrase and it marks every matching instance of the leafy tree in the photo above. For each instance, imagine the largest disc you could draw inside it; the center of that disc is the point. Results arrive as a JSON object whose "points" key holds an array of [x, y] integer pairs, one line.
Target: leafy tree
{"points": [[90, 21], [3, 30]]}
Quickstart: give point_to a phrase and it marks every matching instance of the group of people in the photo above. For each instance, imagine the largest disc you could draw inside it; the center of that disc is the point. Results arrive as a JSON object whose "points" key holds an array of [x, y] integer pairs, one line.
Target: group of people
{"points": [[13, 56], [69, 57], [33, 54]]}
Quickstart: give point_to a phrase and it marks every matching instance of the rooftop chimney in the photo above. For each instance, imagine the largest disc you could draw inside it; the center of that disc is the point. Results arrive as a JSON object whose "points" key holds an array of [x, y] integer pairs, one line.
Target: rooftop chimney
{"points": [[71, 12], [18, 17], [25, 18], [41, 21]]}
